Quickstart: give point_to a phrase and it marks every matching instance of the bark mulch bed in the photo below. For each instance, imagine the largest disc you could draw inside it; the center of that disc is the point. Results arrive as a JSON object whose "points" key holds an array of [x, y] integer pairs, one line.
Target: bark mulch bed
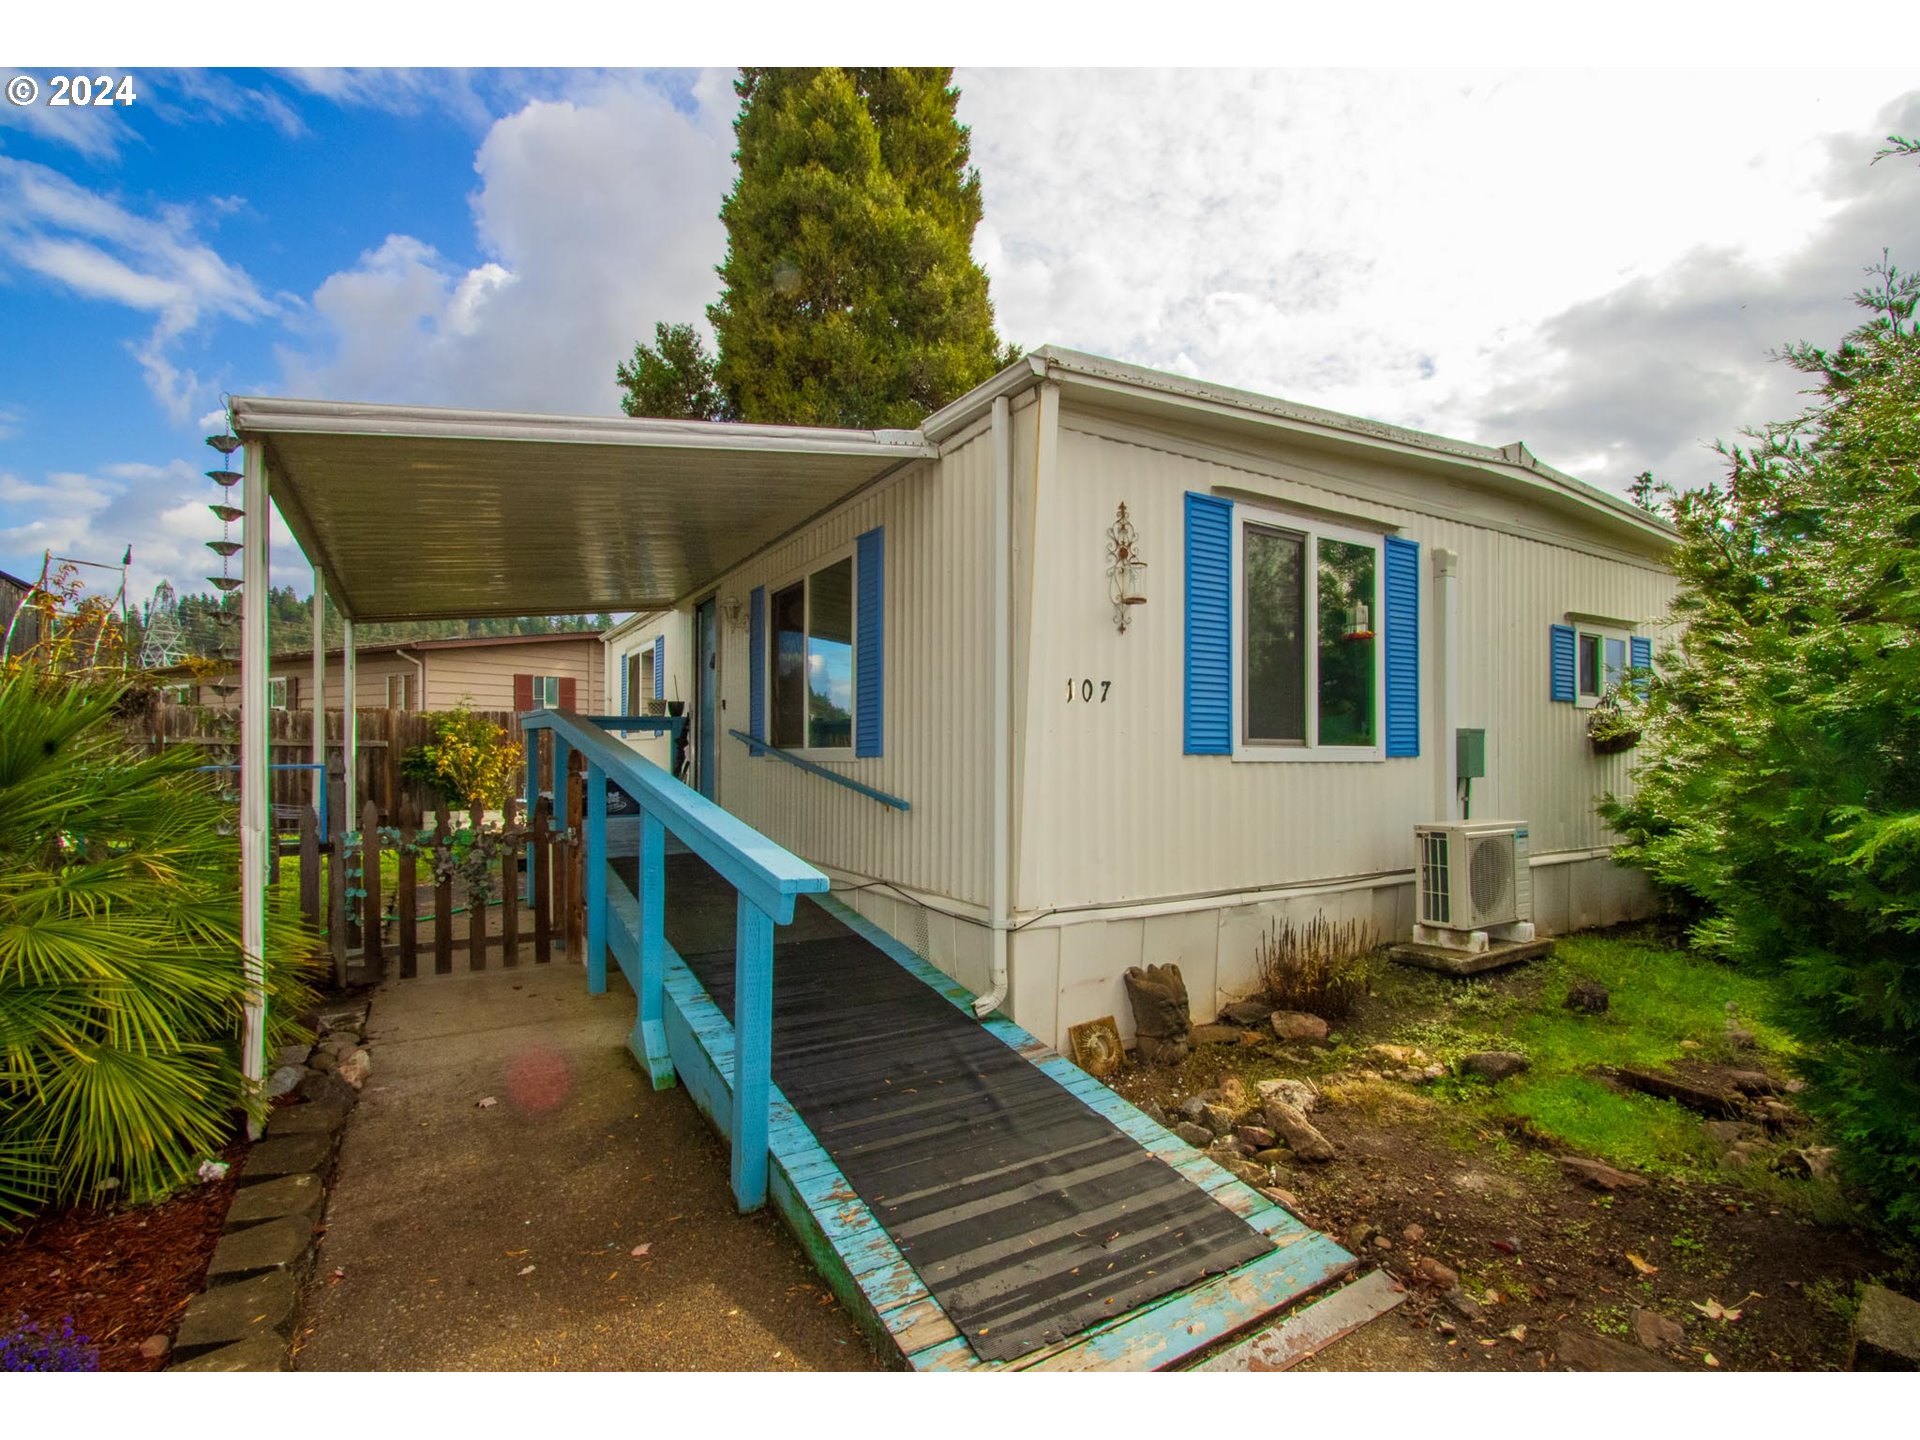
{"points": [[124, 1276]]}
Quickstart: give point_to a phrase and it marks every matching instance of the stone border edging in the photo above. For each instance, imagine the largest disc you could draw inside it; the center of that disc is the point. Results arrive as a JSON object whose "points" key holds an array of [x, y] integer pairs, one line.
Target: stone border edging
{"points": [[243, 1318]]}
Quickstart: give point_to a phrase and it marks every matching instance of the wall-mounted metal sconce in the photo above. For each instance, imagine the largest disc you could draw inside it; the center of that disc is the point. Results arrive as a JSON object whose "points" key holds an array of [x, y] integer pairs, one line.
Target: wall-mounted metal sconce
{"points": [[1123, 569], [733, 610]]}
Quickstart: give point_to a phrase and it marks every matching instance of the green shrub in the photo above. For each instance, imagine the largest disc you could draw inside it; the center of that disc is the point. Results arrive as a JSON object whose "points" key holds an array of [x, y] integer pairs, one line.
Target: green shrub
{"points": [[121, 982], [1779, 794], [469, 761]]}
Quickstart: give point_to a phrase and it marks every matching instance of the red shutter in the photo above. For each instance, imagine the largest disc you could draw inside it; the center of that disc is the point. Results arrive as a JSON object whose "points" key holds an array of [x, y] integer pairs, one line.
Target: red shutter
{"points": [[567, 692], [523, 693]]}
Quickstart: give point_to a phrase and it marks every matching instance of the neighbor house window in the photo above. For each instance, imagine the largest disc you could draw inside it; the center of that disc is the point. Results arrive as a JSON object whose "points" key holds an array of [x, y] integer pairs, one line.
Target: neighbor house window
{"points": [[811, 669], [1310, 658], [546, 692], [277, 692], [399, 692]]}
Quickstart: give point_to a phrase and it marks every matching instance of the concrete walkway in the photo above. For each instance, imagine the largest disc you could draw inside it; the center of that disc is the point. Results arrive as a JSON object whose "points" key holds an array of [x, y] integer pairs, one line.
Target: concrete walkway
{"points": [[501, 1238]]}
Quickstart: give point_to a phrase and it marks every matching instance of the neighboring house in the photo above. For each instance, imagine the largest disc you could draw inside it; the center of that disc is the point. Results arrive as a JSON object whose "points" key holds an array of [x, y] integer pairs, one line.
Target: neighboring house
{"points": [[25, 634], [1251, 737], [637, 676], [488, 672]]}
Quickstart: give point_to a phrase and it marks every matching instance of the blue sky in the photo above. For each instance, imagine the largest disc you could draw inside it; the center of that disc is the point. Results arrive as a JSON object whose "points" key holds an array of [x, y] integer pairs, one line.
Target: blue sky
{"points": [[1596, 262]]}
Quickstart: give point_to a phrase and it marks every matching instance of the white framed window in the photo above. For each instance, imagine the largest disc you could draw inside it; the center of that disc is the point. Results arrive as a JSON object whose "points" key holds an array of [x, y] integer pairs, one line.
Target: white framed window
{"points": [[546, 692], [399, 692], [1309, 665], [277, 692], [1600, 655], [810, 662]]}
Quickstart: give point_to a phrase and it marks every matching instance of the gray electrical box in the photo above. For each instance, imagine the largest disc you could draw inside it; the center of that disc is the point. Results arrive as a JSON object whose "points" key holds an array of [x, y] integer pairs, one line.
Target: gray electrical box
{"points": [[1470, 754]]}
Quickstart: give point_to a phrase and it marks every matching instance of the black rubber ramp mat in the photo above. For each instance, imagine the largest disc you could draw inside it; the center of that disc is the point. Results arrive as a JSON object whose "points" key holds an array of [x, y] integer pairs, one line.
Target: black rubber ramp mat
{"points": [[1029, 1216]]}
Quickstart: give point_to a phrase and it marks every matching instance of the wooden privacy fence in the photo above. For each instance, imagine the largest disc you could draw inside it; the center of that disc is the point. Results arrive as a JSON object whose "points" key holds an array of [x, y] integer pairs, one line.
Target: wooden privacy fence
{"points": [[384, 736], [450, 885]]}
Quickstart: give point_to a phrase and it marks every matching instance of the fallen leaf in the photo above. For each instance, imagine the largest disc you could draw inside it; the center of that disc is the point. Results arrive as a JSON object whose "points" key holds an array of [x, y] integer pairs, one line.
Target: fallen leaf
{"points": [[1518, 1332], [526, 1269], [641, 1249], [1710, 1360], [486, 1102], [339, 1274], [1642, 1266], [1714, 1310]]}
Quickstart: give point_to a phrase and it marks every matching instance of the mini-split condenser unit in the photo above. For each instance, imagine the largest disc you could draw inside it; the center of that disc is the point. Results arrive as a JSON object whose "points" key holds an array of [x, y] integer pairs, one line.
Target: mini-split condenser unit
{"points": [[1473, 874]]}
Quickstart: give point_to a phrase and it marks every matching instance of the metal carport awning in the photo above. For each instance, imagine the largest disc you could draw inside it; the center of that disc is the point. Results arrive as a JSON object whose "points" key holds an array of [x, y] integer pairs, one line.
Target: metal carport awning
{"points": [[417, 513]]}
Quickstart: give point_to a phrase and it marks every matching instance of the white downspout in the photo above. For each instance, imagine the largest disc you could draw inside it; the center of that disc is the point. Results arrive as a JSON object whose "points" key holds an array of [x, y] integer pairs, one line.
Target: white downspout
{"points": [[254, 834], [1446, 608], [1002, 647], [420, 678]]}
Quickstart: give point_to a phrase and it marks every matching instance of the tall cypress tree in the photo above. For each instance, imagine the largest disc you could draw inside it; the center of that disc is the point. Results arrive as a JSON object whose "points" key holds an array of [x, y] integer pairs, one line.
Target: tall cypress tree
{"points": [[850, 295]]}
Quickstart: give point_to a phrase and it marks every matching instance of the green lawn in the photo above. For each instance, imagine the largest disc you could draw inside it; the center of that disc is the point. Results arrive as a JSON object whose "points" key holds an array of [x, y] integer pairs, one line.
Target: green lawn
{"points": [[1660, 997]]}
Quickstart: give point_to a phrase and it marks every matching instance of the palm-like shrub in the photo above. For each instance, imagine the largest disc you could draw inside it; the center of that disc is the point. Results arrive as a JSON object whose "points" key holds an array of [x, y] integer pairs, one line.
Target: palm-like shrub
{"points": [[121, 981]]}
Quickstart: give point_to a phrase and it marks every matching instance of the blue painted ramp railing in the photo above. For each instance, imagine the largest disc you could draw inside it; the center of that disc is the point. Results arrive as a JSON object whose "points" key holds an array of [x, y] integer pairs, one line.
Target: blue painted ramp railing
{"points": [[765, 877]]}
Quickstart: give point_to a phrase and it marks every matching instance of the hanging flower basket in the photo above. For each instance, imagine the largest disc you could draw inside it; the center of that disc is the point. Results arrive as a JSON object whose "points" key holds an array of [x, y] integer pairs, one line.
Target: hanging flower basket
{"points": [[1612, 726], [1614, 744]]}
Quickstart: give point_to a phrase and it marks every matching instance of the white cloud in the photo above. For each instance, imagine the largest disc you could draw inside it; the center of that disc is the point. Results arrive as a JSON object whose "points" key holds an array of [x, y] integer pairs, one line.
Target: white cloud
{"points": [[1401, 244], [99, 249], [598, 215]]}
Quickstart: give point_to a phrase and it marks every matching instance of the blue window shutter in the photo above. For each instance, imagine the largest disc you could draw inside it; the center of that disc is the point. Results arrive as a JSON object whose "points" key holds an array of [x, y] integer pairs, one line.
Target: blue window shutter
{"points": [[869, 715], [1209, 729], [623, 686], [1403, 646], [1562, 655], [1640, 657], [659, 667], [757, 663]]}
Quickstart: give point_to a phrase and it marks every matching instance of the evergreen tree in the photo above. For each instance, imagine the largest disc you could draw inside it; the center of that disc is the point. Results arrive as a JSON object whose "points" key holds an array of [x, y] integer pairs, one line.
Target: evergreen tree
{"points": [[1778, 798], [674, 379], [850, 295]]}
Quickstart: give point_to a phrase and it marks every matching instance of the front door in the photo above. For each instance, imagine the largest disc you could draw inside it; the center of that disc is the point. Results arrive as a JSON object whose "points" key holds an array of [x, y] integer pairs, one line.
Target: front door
{"points": [[706, 680]]}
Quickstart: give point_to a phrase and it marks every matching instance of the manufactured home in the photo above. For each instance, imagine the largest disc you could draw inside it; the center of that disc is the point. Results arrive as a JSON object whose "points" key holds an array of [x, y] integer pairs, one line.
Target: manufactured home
{"points": [[1243, 641], [1097, 667]]}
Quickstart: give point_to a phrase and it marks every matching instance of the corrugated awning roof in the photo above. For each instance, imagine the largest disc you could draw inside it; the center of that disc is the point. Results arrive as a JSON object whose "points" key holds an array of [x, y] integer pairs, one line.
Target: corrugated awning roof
{"points": [[421, 514]]}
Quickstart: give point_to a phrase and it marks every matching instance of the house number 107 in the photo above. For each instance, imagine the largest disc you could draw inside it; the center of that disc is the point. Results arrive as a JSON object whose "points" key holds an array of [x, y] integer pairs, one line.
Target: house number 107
{"points": [[1084, 691]]}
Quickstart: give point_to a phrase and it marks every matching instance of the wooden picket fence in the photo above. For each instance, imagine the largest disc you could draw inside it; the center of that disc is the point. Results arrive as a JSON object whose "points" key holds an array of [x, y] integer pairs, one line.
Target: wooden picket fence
{"points": [[531, 873]]}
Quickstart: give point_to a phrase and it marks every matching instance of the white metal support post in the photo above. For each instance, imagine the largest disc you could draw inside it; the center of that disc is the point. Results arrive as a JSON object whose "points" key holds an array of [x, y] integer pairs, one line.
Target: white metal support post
{"points": [[254, 834], [1446, 614], [320, 692], [349, 730]]}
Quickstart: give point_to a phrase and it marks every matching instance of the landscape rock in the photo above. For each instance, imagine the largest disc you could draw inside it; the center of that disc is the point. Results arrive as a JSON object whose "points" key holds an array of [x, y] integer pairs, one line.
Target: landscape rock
{"points": [[1230, 1090], [1778, 1115], [292, 1055], [1216, 1035], [1753, 1082], [1598, 1175], [1723, 1135], [154, 1346], [1300, 1094], [1302, 1139], [1282, 1197], [339, 1044], [1258, 1136], [1656, 1331], [289, 1155], [323, 1062], [1247, 1012], [316, 1115], [1414, 1234], [263, 1354], [355, 1068], [245, 1310], [1397, 1057], [1194, 1108], [1587, 997], [1740, 1038], [1219, 1119], [1381, 1242], [1886, 1332], [275, 1245], [1297, 1025], [285, 1080], [1274, 1156], [1740, 1156], [1719, 1104], [1197, 1136], [294, 1197], [1429, 1271], [1358, 1234], [1463, 1304], [1153, 1111], [1244, 1169], [329, 1090], [1812, 1162], [1494, 1065], [1584, 1350]]}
